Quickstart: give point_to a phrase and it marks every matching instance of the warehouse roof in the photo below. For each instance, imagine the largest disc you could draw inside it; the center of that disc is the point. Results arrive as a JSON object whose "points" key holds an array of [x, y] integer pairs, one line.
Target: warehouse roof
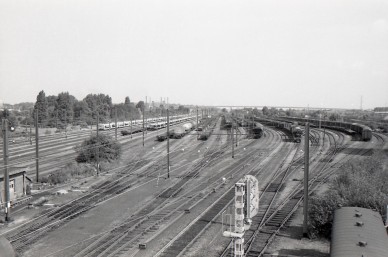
{"points": [[358, 232]]}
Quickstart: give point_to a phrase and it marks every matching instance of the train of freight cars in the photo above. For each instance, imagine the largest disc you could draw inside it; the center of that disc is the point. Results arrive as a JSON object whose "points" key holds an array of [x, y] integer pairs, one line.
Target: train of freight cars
{"points": [[363, 131], [152, 123], [295, 130], [177, 132], [254, 128]]}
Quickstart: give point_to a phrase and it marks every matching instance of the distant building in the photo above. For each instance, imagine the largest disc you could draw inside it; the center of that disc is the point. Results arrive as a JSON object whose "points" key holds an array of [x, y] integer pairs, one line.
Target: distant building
{"points": [[19, 184]]}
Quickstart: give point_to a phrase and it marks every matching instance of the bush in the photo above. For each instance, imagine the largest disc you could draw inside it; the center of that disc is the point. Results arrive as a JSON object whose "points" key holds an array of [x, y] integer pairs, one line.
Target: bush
{"points": [[360, 183], [108, 149], [71, 170], [321, 213]]}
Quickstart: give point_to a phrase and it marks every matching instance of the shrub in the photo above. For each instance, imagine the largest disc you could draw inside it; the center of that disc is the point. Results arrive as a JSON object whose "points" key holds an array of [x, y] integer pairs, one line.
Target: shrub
{"points": [[108, 149], [321, 213], [360, 183]]}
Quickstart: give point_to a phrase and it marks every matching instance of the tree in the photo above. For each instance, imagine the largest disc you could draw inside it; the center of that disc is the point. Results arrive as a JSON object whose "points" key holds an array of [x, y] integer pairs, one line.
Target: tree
{"points": [[140, 105], [265, 111], [101, 104], [42, 106], [333, 117], [255, 111], [127, 101], [64, 107], [108, 149]]}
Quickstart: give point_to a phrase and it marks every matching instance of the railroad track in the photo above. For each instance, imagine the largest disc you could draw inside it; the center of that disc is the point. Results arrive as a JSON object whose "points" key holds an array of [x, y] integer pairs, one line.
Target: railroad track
{"points": [[182, 241], [48, 221], [50, 150], [122, 241], [271, 227], [150, 217]]}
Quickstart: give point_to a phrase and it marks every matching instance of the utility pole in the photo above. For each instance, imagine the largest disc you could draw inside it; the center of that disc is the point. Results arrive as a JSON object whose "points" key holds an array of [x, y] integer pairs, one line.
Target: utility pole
{"points": [[37, 145], [236, 136], [98, 147], [168, 144], [66, 123], [232, 141], [6, 174], [116, 124], [197, 124], [30, 128], [143, 123], [144, 113], [30, 135], [130, 118], [56, 120], [306, 177]]}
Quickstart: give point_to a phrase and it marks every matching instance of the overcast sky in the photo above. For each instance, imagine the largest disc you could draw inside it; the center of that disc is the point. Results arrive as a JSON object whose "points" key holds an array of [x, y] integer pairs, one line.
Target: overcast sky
{"points": [[319, 53]]}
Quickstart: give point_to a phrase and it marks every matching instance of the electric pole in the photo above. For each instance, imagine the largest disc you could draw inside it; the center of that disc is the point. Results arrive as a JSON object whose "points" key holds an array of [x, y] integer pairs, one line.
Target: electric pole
{"points": [[130, 118], [197, 123], [232, 141], [37, 145], [98, 147], [116, 124], [306, 178], [6, 174], [143, 123], [66, 123], [168, 144]]}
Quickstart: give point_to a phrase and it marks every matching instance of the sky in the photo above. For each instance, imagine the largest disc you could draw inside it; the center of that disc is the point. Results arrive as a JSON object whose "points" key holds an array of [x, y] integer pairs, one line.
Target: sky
{"points": [[321, 53]]}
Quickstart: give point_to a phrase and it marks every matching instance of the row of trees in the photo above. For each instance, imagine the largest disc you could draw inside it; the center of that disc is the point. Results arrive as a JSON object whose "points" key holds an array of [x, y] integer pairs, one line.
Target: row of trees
{"points": [[65, 108]]}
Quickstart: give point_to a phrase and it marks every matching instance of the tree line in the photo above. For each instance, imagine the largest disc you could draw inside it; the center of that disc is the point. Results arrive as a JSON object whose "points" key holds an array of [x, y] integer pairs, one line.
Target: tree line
{"points": [[55, 111], [64, 109]]}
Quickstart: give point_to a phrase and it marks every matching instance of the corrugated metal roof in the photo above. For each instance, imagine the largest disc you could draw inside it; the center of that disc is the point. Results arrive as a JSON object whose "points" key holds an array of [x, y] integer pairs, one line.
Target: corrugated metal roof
{"points": [[354, 226]]}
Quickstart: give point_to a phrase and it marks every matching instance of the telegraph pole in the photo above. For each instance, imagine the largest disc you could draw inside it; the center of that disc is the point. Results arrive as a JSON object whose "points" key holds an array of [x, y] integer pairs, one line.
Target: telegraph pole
{"points": [[130, 118], [30, 134], [236, 136], [98, 147], [144, 113], [116, 124], [37, 145], [232, 141], [168, 144], [306, 177], [30, 128], [197, 122], [66, 123], [143, 123], [6, 174], [56, 120]]}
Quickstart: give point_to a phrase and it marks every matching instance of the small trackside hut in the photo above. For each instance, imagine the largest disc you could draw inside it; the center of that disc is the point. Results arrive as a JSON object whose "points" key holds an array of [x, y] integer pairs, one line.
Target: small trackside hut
{"points": [[19, 184]]}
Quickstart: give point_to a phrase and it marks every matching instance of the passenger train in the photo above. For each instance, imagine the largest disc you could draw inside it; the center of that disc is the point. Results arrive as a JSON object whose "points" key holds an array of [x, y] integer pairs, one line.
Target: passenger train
{"points": [[152, 123]]}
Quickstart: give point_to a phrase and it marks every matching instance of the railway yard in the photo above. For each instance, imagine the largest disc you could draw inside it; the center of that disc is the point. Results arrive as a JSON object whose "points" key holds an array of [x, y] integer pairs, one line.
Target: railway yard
{"points": [[141, 207]]}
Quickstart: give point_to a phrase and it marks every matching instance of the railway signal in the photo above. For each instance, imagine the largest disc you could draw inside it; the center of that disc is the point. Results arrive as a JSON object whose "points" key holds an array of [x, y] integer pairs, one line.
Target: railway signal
{"points": [[246, 204]]}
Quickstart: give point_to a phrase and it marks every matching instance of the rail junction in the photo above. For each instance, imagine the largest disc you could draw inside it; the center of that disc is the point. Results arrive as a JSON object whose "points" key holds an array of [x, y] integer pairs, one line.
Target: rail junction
{"points": [[136, 210]]}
